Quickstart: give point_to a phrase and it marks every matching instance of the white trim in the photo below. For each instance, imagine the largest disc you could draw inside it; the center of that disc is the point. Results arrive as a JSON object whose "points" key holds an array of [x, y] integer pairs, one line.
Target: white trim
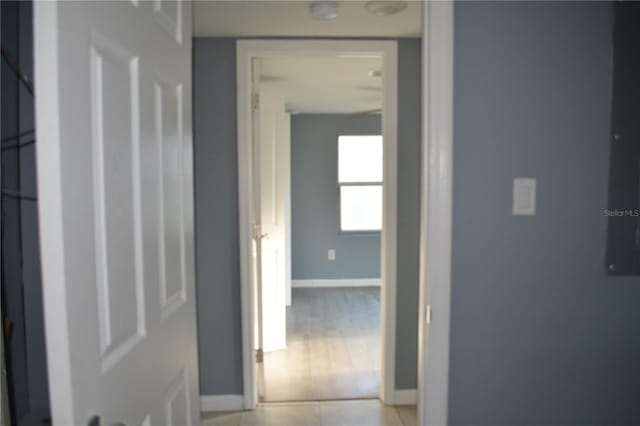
{"points": [[436, 213], [387, 50], [388, 235], [221, 402], [405, 397], [352, 282], [50, 208], [245, 222]]}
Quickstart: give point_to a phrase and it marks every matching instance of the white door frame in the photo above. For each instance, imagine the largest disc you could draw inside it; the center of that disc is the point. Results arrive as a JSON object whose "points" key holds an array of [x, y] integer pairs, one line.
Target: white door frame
{"points": [[436, 213], [387, 50]]}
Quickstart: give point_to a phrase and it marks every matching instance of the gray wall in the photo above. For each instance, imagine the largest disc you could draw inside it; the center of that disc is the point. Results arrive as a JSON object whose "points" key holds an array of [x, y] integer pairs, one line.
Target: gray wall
{"points": [[22, 283], [539, 334], [216, 195], [216, 210], [314, 201], [409, 139]]}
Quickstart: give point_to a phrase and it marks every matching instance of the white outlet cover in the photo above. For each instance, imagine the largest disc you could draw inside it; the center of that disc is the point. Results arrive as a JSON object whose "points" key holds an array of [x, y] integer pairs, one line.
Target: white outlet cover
{"points": [[524, 196]]}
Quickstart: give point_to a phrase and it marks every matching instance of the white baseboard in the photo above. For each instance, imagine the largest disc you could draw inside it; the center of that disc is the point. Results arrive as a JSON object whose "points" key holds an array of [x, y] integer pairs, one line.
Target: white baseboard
{"points": [[405, 397], [236, 402], [221, 402], [353, 282]]}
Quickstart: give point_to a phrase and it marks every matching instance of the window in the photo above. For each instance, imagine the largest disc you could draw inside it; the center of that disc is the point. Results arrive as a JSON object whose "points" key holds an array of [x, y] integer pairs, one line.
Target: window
{"points": [[360, 183]]}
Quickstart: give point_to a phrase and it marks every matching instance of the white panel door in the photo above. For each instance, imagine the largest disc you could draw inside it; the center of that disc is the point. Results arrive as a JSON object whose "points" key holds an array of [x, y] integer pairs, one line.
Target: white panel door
{"points": [[274, 172], [115, 178]]}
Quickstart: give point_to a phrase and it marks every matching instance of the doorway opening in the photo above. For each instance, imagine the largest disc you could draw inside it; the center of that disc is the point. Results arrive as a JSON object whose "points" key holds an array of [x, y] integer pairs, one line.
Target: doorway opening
{"points": [[317, 259], [320, 177]]}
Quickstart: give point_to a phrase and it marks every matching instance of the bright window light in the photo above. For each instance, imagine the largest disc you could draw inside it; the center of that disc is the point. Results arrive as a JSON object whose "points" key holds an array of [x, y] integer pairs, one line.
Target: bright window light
{"points": [[361, 208], [360, 159], [360, 183]]}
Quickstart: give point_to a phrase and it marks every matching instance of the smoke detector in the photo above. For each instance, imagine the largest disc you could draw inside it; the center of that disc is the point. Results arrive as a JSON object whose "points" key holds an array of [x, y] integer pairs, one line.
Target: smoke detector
{"points": [[385, 7], [323, 10]]}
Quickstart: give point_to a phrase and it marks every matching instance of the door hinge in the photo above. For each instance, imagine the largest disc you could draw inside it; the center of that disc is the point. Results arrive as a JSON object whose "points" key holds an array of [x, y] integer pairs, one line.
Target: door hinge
{"points": [[257, 231], [259, 356], [255, 100], [428, 314]]}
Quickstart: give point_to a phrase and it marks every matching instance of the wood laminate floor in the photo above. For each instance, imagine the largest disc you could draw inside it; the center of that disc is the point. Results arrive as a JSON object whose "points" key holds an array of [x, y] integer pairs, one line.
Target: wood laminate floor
{"points": [[333, 347], [330, 413]]}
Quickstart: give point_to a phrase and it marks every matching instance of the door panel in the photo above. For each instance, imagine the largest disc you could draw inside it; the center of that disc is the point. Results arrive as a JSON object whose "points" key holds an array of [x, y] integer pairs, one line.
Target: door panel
{"points": [[169, 15], [114, 99], [116, 210], [177, 401], [168, 109], [274, 194]]}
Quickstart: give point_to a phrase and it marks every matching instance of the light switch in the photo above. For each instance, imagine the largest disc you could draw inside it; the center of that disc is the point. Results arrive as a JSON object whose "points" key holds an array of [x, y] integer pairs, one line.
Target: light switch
{"points": [[524, 197], [332, 254]]}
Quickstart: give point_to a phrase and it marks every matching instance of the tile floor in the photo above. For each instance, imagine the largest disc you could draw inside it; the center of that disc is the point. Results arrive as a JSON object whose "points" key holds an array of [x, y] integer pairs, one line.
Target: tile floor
{"points": [[325, 413]]}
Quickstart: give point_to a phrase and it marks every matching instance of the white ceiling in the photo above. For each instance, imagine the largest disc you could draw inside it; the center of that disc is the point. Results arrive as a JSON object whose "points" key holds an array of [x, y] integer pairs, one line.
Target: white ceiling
{"points": [[324, 85], [266, 18]]}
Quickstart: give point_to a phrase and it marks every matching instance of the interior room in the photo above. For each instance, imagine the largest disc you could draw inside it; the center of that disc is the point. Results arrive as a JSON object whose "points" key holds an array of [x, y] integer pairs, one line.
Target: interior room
{"points": [[333, 216]]}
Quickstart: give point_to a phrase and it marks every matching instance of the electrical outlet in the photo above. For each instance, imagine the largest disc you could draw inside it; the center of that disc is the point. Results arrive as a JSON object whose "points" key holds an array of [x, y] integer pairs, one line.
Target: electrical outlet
{"points": [[332, 254]]}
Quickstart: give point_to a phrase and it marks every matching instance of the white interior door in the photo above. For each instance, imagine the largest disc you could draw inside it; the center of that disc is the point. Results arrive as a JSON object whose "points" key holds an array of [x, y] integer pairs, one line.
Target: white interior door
{"points": [[114, 158], [273, 169]]}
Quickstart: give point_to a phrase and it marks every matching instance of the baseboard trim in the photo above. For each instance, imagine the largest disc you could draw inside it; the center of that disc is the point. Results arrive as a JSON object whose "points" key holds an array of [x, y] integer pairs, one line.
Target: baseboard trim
{"points": [[405, 397], [353, 282], [212, 403], [221, 402]]}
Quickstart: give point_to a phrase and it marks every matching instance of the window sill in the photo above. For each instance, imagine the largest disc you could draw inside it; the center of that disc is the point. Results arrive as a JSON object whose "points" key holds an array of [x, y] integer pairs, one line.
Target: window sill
{"points": [[372, 233]]}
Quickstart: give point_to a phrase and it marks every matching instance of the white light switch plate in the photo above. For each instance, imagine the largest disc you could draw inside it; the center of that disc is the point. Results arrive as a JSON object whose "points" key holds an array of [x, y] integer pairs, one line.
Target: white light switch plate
{"points": [[524, 197], [332, 254]]}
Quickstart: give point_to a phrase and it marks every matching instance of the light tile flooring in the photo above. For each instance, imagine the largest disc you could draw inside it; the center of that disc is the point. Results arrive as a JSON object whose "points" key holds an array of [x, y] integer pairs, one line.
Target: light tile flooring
{"points": [[324, 413], [333, 347]]}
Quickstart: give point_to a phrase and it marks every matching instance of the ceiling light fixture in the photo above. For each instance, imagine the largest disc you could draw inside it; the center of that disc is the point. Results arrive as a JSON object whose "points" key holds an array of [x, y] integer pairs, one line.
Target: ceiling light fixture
{"points": [[385, 7], [323, 10]]}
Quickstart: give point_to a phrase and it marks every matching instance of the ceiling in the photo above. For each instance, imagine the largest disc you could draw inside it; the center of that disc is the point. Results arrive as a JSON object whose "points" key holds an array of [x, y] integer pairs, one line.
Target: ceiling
{"points": [[251, 18], [324, 85]]}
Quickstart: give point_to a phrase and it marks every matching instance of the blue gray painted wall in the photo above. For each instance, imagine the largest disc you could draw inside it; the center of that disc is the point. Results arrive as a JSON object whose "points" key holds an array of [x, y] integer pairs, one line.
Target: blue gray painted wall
{"points": [[22, 283], [539, 333], [409, 140], [216, 194], [216, 211], [314, 201]]}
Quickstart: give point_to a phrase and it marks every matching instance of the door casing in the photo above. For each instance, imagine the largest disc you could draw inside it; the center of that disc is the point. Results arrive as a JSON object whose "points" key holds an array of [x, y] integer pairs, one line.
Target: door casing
{"points": [[436, 210], [387, 51]]}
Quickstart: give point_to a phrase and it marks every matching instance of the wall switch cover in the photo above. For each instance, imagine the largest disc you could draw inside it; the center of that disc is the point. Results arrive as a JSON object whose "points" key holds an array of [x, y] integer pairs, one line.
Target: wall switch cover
{"points": [[332, 254], [524, 197]]}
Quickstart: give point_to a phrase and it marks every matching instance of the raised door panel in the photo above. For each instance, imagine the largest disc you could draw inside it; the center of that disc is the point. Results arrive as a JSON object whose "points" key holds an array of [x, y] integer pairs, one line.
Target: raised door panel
{"points": [[177, 402], [116, 187], [168, 13], [171, 234]]}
